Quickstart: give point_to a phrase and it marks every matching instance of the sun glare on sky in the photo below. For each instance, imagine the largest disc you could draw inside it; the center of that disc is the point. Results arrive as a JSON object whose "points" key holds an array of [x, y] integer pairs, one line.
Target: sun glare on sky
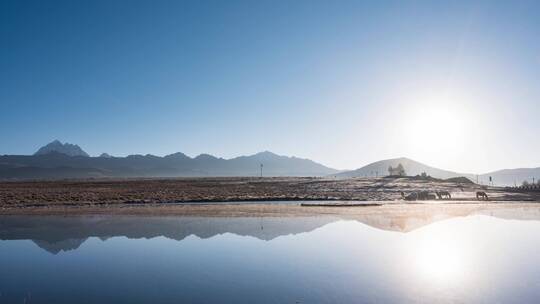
{"points": [[435, 129]]}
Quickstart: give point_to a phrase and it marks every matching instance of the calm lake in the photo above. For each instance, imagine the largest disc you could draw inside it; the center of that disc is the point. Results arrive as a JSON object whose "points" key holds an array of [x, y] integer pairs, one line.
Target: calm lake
{"points": [[479, 258]]}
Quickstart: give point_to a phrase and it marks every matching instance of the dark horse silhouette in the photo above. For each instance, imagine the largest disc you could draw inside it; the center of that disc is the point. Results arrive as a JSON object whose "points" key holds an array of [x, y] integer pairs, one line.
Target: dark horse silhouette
{"points": [[418, 196], [481, 195], [443, 195]]}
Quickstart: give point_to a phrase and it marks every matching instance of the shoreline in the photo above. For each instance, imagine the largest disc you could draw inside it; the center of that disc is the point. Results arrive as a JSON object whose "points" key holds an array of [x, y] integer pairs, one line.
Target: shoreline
{"points": [[262, 209]]}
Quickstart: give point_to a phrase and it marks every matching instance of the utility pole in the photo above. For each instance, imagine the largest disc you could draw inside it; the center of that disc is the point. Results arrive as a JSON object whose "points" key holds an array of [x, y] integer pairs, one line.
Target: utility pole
{"points": [[261, 169]]}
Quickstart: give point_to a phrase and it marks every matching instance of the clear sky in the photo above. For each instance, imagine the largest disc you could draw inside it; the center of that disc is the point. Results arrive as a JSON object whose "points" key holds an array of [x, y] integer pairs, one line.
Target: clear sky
{"points": [[455, 85]]}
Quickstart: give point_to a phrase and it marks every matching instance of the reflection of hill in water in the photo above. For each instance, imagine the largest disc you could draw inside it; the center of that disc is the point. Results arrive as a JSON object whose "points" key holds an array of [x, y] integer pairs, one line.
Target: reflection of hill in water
{"points": [[412, 219], [55, 234], [407, 221]]}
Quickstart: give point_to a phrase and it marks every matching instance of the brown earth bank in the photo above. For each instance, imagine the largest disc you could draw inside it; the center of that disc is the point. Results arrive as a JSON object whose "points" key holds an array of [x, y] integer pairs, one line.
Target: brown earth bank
{"points": [[153, 193]]}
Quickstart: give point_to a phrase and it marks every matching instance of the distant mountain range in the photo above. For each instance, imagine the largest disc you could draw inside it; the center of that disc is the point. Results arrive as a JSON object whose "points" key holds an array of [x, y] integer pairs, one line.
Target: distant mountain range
{"points": [[57, 160], [511, 177]]}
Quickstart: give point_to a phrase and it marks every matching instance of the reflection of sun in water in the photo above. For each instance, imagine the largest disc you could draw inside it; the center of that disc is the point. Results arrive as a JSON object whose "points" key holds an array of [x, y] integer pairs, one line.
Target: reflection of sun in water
{"points": [[437, 260], [438, 257]]}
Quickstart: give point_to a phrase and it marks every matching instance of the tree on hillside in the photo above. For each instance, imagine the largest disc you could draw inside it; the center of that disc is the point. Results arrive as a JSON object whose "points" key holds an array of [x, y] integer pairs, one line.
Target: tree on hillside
{"points": [[401, 170], [397, 171]]}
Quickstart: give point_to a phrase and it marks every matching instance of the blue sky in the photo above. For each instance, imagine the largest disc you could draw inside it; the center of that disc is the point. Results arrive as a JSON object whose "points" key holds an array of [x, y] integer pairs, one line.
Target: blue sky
{"points": [[454, 85]]}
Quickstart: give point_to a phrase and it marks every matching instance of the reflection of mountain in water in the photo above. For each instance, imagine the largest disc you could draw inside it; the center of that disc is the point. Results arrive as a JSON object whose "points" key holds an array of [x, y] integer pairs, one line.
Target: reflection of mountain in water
{"points": [[515, 213], [56, 247], [55, 234]]}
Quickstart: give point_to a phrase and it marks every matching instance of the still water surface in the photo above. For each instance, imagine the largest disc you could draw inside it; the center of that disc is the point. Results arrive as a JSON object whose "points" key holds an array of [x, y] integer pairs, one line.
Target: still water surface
{"points": [[480, 258]]}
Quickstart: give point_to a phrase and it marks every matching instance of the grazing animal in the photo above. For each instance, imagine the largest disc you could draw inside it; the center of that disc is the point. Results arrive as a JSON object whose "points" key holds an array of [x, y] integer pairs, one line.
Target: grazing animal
{"points": [[430, 196], [419, 196], [481, 195], [443, 195], [411, 197], [424, 195]]}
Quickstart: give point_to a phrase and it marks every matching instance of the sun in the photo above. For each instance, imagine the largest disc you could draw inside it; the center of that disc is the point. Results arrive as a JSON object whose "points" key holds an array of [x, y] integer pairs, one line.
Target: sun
{"points": [[435, 122], [433, 131]]}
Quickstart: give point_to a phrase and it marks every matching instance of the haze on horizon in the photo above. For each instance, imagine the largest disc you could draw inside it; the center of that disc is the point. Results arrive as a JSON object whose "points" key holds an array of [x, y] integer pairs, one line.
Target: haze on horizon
{"points": [[454, 85]]}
